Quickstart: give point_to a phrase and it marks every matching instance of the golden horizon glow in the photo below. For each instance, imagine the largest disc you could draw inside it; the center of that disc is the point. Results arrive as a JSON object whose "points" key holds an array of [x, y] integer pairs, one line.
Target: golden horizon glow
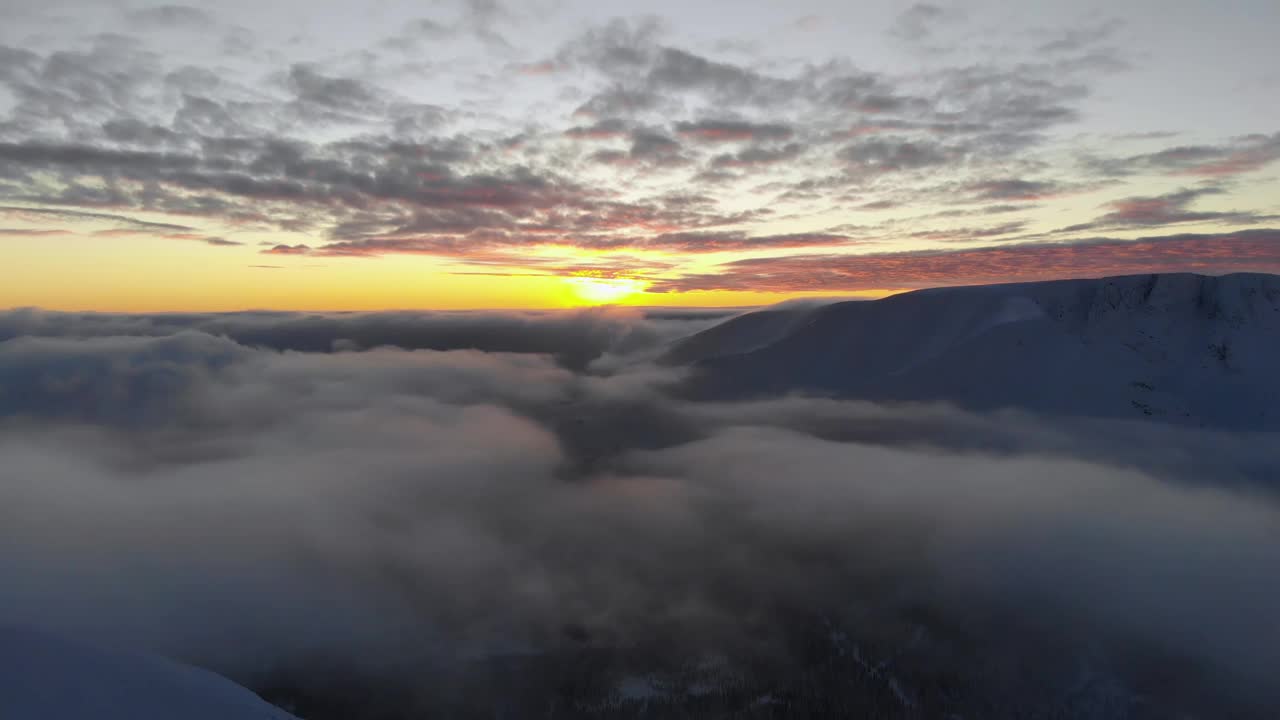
{"points": [[603, 291], [87, 269], [81, 271]]}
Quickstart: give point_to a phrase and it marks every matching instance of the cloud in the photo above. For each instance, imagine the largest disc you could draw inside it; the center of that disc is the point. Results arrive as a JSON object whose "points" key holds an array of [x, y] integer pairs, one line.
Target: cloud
{"points": [[1242, 155], [171, 16], [481, 20], [543, 67], [511, 250], [86, 157], [807, 23], [1161, 210], [295, 175], [220, 241], [1011, 102], [406, 485], [566, 509], [971, 234], [1169, 209], [730, 241], [573, 338], [654, 146], [36, 214], [287, 250], [341, 157], [920, 22], [339, 93], [131, 130], [1243, 251], [885, 155], [676, 69], [31, 232], [483, 17], [1014, 189], [603, 130], [758, 156], [1080, 39], [323, 149], [731, 130]]}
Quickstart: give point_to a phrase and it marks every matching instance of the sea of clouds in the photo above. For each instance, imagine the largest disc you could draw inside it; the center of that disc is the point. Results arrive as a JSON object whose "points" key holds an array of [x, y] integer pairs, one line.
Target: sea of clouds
{"points": [[378, 491]]}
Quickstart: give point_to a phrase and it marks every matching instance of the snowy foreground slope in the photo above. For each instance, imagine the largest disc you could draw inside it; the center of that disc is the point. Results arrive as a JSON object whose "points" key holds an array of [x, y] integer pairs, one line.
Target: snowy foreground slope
{"points": [[43, 677], [1181, 348]]}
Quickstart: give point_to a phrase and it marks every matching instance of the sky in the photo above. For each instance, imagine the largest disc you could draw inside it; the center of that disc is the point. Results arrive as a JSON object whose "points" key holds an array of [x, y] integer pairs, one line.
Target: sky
{"points": [[483, 154]]}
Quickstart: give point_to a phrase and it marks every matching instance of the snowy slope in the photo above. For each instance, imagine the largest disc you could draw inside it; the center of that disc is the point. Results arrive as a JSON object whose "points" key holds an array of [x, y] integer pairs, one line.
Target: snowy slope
{"points": [[1182, 348], [43, 677], [738, 335]]}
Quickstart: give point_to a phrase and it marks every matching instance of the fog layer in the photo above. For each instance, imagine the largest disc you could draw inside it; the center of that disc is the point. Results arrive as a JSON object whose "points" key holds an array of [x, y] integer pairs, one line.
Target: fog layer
{"points": [[249, 503]]}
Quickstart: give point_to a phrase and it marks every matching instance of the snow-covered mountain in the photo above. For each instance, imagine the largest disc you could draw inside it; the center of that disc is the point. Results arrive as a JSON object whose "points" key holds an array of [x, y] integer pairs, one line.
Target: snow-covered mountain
{"points": [[44, 677], [1182, 348]]}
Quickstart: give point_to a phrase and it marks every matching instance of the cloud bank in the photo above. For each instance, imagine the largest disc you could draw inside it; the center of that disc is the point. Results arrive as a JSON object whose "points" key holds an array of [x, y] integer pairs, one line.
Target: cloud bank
{"points": [[235, 491]]}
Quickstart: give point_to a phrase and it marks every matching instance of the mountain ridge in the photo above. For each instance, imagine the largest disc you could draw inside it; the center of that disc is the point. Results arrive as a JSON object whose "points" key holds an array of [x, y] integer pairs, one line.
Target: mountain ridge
{"points": [[1177, 347], [50, 677]]}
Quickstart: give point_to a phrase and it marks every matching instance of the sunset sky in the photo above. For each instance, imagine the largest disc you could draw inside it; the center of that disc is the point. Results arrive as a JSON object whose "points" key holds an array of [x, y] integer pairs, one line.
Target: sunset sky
{"points": [[551, 153]]}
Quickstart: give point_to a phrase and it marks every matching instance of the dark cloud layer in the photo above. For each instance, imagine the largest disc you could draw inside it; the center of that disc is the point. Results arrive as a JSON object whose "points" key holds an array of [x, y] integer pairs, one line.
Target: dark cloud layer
{"points": [[1247, 250], [250, 504], [572, 338]]}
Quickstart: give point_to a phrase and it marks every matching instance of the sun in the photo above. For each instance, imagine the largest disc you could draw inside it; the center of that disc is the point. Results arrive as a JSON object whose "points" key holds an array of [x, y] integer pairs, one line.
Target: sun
{"points": [[601, 291]]}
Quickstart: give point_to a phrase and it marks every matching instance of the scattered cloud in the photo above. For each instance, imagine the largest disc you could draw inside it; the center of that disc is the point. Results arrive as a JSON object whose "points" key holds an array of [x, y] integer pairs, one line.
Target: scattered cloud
{"points": [[731, 130], [1012, 189], [1244, 251], [37, 214], [1170, 209], [339, 156], [1081, 38], [220, 242], [32, 232], [171, 17], [885, 155], [1242, 155], [920, 23]]}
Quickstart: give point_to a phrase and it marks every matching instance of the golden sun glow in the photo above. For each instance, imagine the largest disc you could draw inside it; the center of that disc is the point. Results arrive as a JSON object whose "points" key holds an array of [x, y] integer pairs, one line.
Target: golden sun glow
{"points": [[600, 291]]}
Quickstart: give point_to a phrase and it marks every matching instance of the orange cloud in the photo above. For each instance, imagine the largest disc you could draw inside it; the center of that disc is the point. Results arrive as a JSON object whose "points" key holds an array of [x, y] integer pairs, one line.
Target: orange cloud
{"points": [[1251, 250]]}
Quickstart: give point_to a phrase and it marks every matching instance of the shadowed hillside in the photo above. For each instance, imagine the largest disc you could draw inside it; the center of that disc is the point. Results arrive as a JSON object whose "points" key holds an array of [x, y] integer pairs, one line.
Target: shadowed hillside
{"points": [[1181, 348]]}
